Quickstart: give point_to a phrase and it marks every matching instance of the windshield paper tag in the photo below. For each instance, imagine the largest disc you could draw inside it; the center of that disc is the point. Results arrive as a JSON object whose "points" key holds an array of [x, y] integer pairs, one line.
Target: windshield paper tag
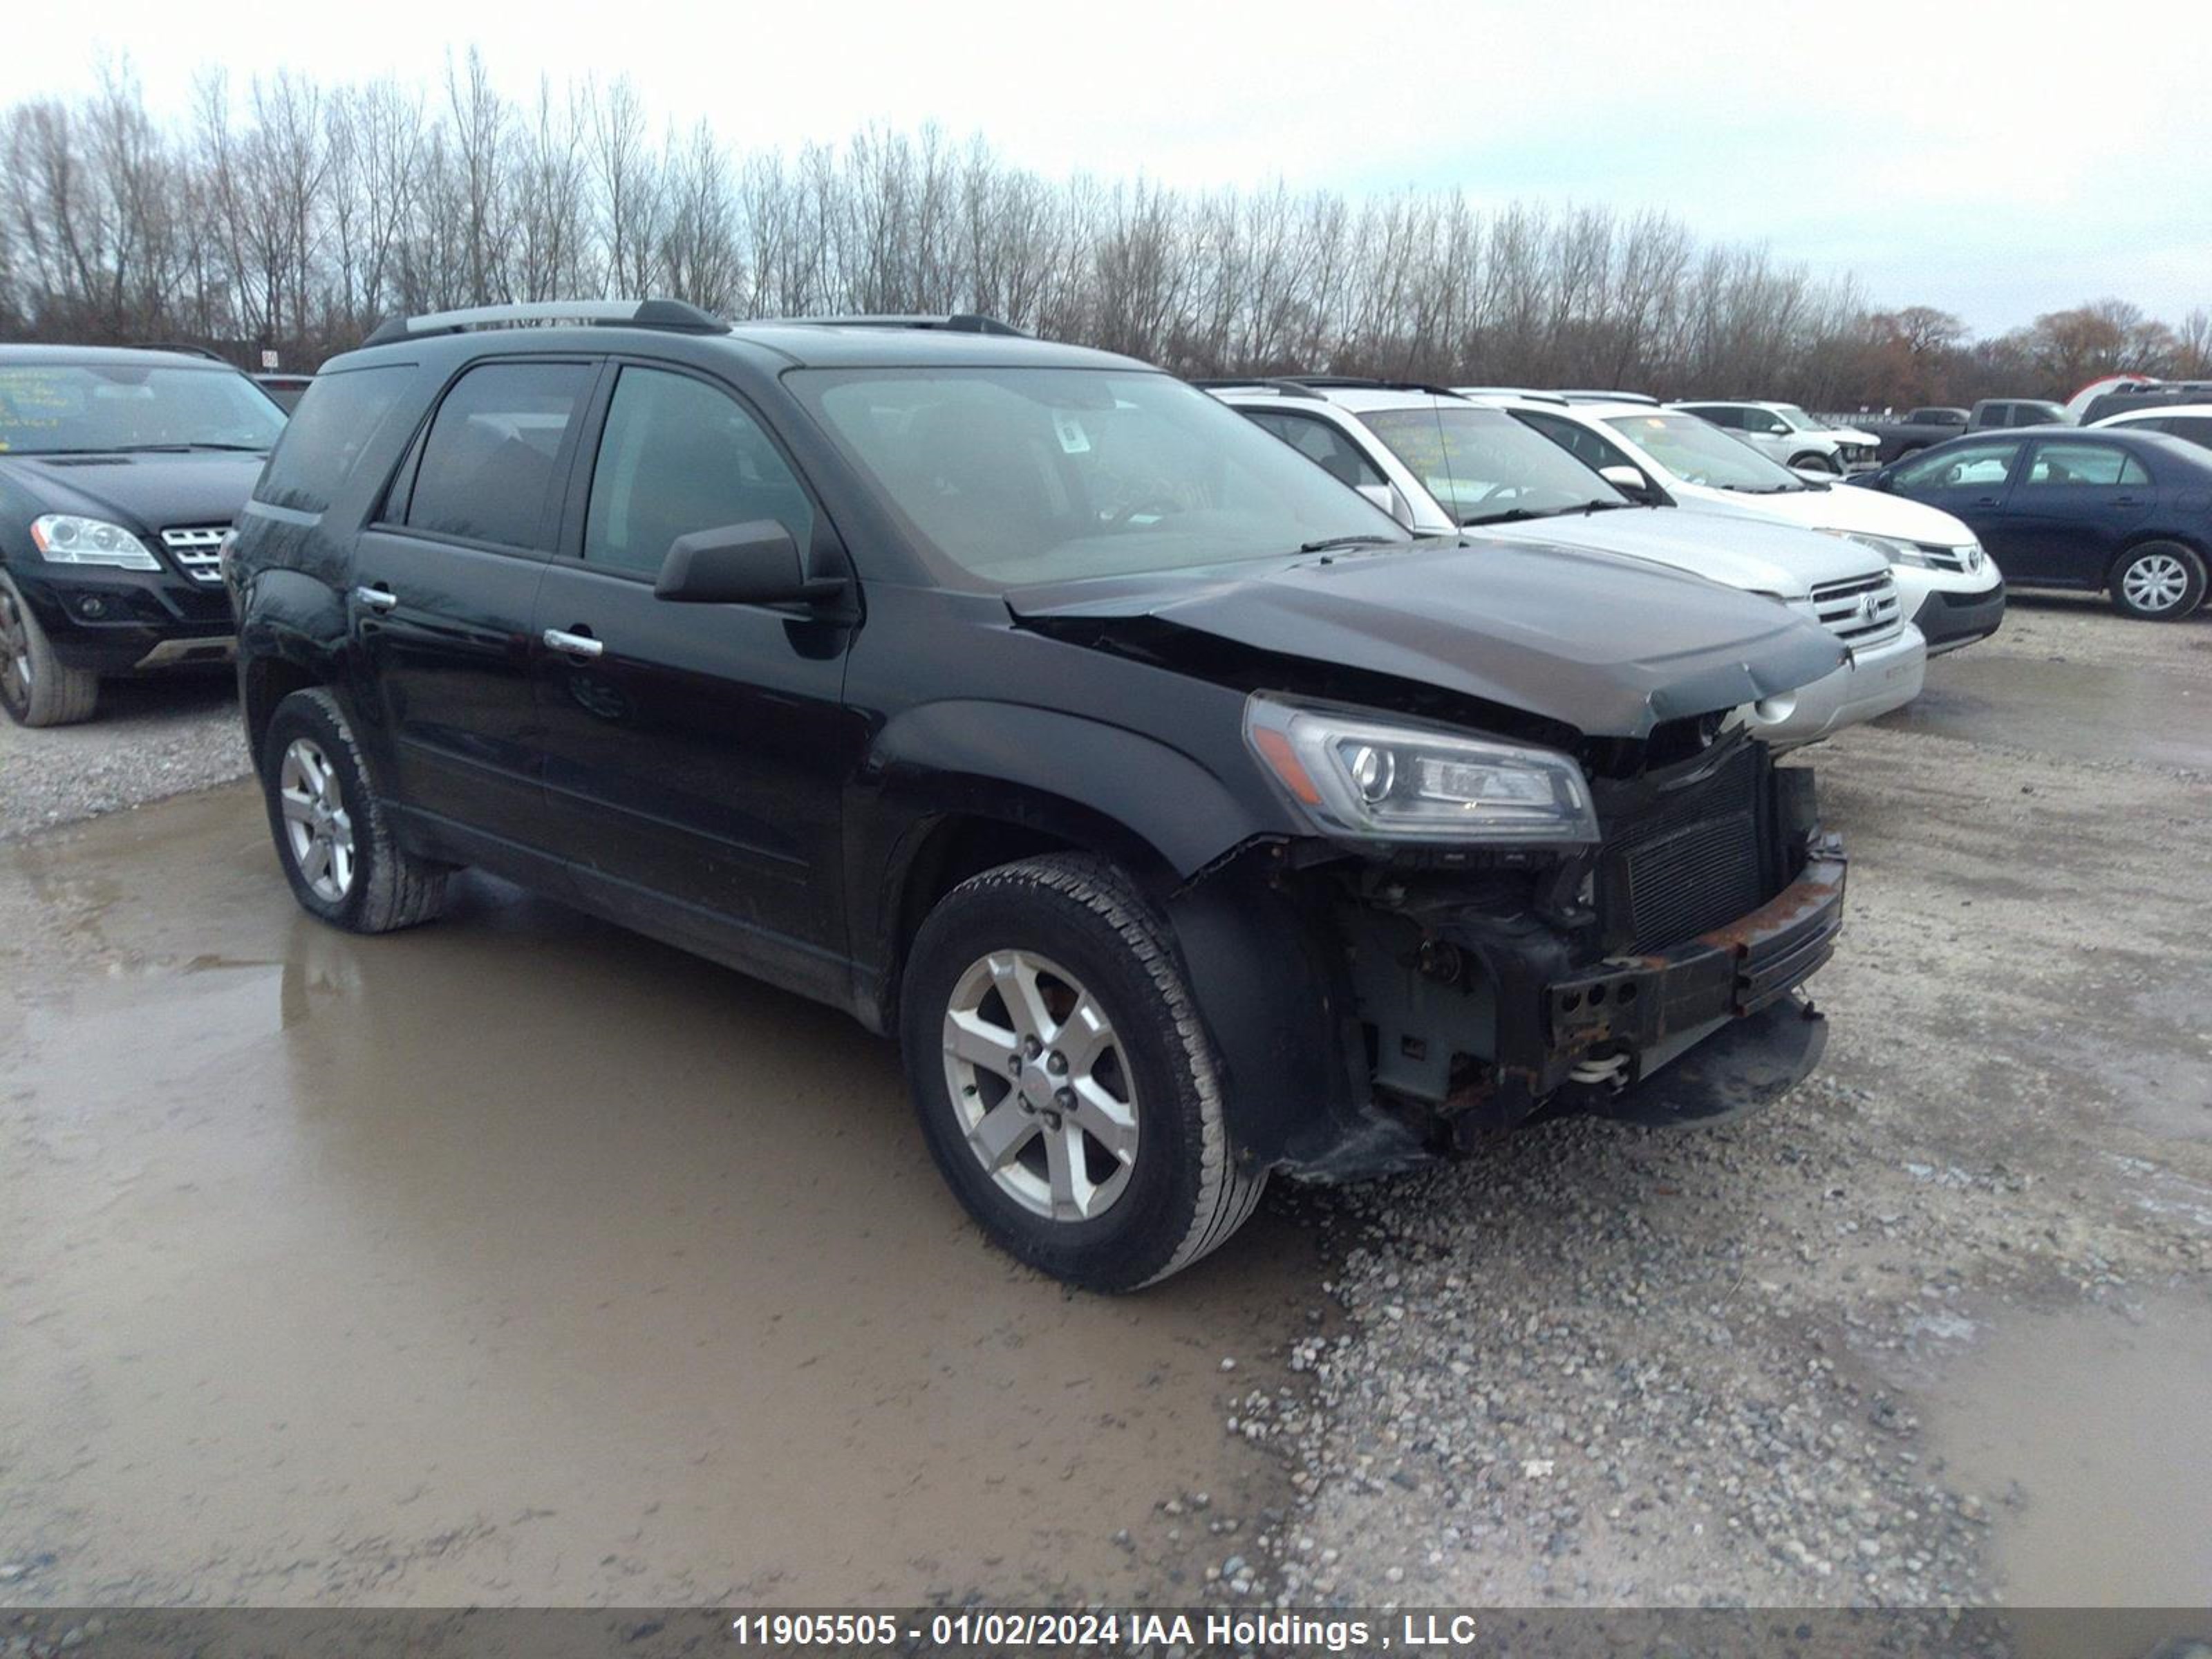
{"points": [[1074, 439]]}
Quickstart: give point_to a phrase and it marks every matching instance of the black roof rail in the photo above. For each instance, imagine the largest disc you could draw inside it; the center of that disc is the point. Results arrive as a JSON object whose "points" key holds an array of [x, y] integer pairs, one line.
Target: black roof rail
{"points": [[955, 322], [1288, 388], [674, 315], [1591, 395], [1367, 383], [1527, 392], [208, 352]]}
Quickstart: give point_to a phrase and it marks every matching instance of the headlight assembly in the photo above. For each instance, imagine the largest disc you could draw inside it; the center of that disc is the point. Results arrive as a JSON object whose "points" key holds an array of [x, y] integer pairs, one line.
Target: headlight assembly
{"points": [[65, 538], [1894, 549], [1380, 779]]}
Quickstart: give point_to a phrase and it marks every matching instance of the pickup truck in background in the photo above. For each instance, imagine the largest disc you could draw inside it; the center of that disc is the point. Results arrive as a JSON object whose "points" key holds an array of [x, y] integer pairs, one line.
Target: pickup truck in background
{"points": [[1924, 428]]}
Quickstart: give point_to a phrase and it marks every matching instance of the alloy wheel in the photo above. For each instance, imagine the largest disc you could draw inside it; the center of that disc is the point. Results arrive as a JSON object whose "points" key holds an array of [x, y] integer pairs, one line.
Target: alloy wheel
{"points": [[1040, 1085], [15, 652], [317, 826], [2155, 582]]}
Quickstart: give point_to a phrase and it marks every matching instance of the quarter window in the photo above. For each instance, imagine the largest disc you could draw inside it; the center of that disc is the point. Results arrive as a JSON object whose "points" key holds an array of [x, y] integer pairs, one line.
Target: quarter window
{"points": [[488, 467], [678, 456], [2085, 464]]}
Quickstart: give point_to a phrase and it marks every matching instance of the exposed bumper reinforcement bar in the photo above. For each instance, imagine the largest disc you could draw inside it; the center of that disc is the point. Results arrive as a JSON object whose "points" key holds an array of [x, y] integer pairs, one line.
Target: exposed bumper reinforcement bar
{"points": [[208, 648]]}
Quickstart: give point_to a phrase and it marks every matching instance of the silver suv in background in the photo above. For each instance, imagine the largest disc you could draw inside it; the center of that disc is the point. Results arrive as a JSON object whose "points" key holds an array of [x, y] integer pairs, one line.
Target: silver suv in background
{"points": [[1785, 432], [1443, 464]]}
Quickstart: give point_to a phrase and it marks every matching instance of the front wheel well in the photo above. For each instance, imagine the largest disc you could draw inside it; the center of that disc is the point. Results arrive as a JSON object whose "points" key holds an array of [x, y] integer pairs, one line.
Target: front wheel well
{"points": [[264, 682], [956, 849]]}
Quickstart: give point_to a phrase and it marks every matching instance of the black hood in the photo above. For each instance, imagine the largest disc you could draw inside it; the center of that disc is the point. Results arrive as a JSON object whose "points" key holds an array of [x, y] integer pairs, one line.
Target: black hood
{"points": [[1610, 646], [141, 492]]}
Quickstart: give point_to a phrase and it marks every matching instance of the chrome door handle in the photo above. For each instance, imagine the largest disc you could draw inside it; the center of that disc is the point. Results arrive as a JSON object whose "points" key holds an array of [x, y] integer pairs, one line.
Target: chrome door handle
{"points": [[376, 598], [574, 645]]}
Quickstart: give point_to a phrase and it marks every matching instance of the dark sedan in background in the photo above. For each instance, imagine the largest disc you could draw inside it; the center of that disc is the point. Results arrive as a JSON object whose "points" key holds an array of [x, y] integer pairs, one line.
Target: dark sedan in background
{"points": [[120, 473], [2110, 511]]}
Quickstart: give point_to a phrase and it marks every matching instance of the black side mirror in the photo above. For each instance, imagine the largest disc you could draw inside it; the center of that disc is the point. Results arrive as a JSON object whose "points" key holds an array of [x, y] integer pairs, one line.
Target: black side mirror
{"points": [[754, 563]]}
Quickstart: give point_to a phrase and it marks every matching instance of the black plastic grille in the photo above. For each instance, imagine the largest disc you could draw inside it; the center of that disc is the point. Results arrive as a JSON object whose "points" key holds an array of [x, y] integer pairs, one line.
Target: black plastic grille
{"points": [[1692, 862]]}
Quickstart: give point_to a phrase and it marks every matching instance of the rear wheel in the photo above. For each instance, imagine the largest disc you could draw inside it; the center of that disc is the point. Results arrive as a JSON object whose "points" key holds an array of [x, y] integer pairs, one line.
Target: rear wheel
{"points": [[345, 865], [1068, 1093], [2158, 581], [36, 688]]}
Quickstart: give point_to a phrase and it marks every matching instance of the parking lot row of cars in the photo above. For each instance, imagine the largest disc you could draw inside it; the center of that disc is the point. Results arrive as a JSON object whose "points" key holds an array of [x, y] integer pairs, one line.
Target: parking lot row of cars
{"points": [[1296, 777]]}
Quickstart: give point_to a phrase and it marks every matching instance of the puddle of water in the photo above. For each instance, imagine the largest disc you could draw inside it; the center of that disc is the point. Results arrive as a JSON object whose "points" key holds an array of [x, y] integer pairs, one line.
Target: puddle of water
{"points": [[2107, 1425], [520, 1260], [2089, 710]]}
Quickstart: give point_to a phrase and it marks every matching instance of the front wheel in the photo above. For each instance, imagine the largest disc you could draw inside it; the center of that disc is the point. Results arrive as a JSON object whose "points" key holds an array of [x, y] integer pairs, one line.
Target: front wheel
{"points": [[1067, 1091], [36, 687], [337, 848], [1813, 461], [2158, 581]]}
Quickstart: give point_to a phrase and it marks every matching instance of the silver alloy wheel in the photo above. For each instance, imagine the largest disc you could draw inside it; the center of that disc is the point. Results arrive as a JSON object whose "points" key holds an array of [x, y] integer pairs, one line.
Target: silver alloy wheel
{"points": [[1040, 1085], [15, 651], [316, 825], [2155, 582]]}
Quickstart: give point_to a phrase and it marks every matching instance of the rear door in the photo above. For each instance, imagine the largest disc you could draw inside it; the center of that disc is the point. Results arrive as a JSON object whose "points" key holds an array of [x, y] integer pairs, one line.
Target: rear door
{"points": [[446, 588], [694, 754], [2075, 504]]}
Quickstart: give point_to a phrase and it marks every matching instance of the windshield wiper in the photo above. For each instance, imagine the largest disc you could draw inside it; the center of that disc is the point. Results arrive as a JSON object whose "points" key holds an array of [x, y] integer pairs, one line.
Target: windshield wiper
{"points": [[1330, 543], [182, 449], [1515, 515]]}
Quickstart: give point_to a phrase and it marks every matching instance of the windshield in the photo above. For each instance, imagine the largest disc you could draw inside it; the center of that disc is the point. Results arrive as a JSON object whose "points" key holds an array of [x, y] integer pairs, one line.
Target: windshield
{"points": [[48, 408], [1485, 466], [1013, 476], [1699, 452]]}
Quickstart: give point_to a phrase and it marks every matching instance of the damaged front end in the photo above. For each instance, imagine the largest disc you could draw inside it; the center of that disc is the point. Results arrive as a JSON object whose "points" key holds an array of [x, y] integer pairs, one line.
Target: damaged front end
{"points": [[1652, 973]]}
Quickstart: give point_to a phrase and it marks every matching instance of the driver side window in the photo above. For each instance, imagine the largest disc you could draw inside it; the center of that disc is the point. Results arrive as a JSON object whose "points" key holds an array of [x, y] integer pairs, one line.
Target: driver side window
{"points": [[1962, 468], [1321, 444], [678, 456]]}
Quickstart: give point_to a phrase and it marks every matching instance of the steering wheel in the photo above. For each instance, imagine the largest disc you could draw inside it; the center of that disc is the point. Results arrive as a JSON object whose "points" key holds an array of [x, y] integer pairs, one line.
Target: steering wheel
{"points": [[1162, 505]]}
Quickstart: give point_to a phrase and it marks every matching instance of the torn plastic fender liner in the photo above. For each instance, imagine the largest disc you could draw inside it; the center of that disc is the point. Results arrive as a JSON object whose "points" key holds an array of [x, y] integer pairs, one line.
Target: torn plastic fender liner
{"points": [[1609, 644]]}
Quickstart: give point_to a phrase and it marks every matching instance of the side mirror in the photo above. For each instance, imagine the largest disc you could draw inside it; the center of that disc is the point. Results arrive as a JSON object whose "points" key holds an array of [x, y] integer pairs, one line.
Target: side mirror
{"points": [[1631, 481], [1388, 499], [754, 563]]}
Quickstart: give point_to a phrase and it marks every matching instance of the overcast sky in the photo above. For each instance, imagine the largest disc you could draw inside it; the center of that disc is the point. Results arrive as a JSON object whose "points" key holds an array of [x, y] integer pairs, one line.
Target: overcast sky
{"points": [[1998, 160]]}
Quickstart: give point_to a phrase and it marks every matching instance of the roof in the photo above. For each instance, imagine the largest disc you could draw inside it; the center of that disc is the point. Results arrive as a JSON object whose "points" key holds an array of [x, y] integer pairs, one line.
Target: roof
{"points": [[107, 357], [1357, 399], [870, 345], [2148, 413]]}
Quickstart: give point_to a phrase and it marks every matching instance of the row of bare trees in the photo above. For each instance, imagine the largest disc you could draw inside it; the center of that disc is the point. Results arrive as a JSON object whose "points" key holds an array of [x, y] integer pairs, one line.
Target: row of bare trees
{"points": [[292, 215]]}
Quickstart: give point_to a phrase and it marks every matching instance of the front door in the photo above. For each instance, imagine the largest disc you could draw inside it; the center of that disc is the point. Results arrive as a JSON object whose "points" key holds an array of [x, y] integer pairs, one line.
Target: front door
{"points": [[446, 589], [694, 754], [1971, 481]]}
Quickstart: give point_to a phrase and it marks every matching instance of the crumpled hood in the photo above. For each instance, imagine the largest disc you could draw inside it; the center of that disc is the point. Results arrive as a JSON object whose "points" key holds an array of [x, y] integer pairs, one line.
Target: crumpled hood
{"points": [[1757, 555], [142, 492], [1608, 645]]}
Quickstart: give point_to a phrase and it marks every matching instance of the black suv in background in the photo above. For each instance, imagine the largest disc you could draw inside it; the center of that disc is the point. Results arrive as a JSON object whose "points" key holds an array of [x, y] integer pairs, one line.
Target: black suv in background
{"points": [[1184, 817], [120, 473]]}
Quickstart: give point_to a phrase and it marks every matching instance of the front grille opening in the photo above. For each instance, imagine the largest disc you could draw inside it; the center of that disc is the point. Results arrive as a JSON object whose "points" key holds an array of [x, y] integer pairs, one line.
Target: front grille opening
{"points": [[197, 550], [1691, 860], [1862, 609]]}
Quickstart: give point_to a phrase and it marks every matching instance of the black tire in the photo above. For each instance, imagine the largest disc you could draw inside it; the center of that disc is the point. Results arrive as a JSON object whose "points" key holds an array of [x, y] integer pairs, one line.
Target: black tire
{"points": [[36, 688], [388, 888], [2133, 568], [1814, 461], [1186, 1191]]}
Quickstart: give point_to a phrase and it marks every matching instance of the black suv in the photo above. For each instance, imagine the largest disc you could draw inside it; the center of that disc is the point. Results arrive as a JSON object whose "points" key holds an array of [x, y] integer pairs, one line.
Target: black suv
{"points": [[120, 473], [1184, 817]]}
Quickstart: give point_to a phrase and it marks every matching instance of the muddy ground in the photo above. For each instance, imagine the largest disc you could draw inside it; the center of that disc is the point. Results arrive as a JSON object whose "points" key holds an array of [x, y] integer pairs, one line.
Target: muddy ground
{"points": [[518, 1261]]}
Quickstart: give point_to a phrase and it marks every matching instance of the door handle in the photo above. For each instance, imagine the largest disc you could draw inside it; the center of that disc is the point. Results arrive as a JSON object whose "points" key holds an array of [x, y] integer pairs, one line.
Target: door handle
{"points": [[2125, 500], [572, 644], [376, 598], [1985, 500]]}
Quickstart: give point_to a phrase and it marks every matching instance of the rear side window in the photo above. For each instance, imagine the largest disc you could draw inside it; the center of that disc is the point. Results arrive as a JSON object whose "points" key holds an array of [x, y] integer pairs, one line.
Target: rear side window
{"points": [[677, 457], [2085, 464], [487, 469], [328, 434]]}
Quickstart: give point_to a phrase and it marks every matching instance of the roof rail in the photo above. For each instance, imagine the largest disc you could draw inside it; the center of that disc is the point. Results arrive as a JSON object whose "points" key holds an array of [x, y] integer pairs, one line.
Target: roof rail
{"points": [[1521, 391], [671, 314], [1587, 395], [956, 322], [1362, 382], [208, 352], [1288, 388]]}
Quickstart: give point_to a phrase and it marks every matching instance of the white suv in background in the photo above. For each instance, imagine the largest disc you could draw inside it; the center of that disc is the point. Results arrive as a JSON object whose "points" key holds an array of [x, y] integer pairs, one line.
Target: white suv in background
{"points": [[1785, 432], [1443, 464], [1953, 591]]}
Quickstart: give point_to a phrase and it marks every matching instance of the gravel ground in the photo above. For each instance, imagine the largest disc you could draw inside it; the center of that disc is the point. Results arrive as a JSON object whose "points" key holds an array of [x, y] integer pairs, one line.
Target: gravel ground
{"points": [[151, 737]]}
